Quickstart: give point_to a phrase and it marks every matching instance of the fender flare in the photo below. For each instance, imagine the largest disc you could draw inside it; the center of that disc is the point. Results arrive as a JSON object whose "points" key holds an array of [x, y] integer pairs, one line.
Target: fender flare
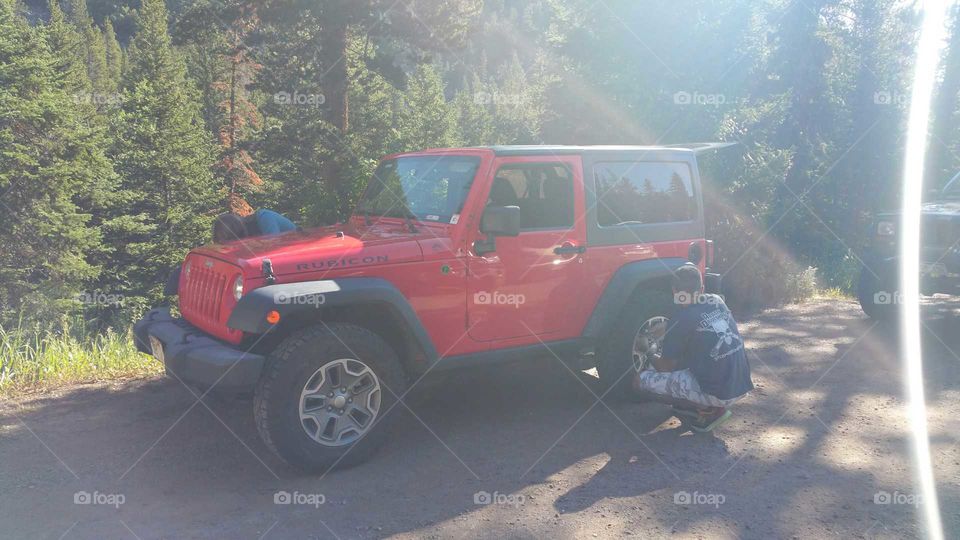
{"points": [[291, 299], [624, 281]]}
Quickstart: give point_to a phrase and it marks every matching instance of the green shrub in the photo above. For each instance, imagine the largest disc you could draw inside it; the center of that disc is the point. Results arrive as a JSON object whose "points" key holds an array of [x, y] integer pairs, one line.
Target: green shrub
{"points": [[35, 357], [801, 285]]}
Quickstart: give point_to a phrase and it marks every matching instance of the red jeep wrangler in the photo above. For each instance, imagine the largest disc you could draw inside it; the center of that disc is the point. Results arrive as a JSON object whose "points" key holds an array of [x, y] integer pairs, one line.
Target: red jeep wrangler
{"points": [[453, 257]]}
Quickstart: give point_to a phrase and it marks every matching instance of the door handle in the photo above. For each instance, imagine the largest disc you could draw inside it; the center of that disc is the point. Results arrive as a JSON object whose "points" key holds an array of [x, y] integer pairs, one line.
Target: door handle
{"points": [[568, 249]]}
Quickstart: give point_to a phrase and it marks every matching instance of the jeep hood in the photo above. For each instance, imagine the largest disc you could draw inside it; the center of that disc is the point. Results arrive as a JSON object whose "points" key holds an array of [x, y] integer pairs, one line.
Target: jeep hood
{"points": [[333, 248]]}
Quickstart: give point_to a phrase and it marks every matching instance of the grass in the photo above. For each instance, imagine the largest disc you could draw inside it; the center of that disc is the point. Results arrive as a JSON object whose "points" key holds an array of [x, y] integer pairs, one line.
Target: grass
{"points": [[835, 293], [33, 359]]}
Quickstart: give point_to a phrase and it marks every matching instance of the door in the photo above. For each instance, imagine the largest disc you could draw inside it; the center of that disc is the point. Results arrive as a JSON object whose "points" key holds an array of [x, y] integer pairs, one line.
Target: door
{"points": [[528, 286]]}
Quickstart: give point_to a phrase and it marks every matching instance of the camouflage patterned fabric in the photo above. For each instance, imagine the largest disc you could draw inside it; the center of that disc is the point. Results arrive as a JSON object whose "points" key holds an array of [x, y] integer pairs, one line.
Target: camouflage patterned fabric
{"points": [[678, 384]]}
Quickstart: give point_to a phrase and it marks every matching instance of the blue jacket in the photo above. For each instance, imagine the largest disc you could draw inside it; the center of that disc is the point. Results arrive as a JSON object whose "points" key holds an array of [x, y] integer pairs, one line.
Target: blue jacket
{"points": [[271, 222]]}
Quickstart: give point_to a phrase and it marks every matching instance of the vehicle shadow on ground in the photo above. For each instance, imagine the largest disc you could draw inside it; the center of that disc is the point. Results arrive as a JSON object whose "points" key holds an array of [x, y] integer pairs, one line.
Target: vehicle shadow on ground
{"points": [[532, 436]]}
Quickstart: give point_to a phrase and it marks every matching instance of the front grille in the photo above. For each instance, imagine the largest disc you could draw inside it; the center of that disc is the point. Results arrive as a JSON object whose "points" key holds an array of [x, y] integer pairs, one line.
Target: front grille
{"points": [[204, 298], [940, 232], [204, 293]]}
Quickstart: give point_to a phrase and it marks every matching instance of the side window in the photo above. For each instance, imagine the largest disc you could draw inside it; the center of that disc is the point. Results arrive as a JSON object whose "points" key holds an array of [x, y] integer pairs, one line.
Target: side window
{"points": [[641, 192], [543, 191]]}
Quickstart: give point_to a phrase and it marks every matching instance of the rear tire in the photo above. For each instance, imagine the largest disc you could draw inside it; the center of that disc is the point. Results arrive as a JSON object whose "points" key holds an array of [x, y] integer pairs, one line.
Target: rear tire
{"points": [[616, 362], [876, 299], [312, 429]]}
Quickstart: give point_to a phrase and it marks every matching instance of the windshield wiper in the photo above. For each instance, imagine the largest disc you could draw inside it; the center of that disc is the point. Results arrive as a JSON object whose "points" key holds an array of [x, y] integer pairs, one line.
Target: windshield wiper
{"points": [[409, 217], [404, 213], [365, 212]]}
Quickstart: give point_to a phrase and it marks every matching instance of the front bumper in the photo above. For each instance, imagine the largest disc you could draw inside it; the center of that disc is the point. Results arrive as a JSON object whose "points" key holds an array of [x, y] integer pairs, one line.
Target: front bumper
{"points": [[944, 279], [194, 357]]}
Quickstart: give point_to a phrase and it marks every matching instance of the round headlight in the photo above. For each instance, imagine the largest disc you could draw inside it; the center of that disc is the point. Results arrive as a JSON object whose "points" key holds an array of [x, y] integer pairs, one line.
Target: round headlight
{"points": [[885, 228], [238, 288]]}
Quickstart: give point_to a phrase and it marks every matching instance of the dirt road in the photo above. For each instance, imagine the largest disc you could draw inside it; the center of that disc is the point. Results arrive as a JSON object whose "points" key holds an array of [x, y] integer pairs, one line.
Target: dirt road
{"points": [[820, 450]]}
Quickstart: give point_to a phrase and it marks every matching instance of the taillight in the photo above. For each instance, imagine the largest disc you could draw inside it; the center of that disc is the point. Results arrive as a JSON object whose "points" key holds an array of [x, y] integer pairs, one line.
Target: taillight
{"points": [[695, 253]]}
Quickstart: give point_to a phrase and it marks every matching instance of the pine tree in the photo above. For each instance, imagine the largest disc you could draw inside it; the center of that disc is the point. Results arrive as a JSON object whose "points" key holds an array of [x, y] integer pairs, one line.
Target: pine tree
{"points": [[201, 33], [515, 114], [425, 119], [473, 116], [219, 60], [239, 114], [68, 52], [942, 157], [96, 54], [164, 156], [97, 62], [50, 159], [114, 56], [306, 46], [66, 49]]}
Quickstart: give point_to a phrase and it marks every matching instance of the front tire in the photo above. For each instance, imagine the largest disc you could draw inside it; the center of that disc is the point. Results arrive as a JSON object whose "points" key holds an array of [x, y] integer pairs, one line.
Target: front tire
{"points": [[324, 396], [635, 336]]}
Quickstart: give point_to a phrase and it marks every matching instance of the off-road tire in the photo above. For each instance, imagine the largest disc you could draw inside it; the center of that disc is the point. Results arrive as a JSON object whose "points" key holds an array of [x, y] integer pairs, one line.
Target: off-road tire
{"points": [[276, 404], [615, 354], [867, 288]]}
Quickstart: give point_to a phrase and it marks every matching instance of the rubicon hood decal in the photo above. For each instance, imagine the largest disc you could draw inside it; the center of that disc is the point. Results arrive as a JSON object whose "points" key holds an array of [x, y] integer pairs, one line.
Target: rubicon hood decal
{"points": [[358, 260]]}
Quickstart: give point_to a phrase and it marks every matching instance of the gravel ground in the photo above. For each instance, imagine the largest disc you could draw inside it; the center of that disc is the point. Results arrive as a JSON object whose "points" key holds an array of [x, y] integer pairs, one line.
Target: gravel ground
{"points": [[516, 451]]}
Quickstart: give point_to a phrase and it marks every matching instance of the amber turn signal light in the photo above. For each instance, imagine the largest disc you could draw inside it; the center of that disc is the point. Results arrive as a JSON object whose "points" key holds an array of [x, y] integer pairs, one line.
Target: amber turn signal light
{"points": [[273, 317]]}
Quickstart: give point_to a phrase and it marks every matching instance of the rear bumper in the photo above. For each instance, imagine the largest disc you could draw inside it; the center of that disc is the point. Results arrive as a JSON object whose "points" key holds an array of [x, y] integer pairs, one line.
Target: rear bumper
{"points": [[712, 282], [194, 357]]}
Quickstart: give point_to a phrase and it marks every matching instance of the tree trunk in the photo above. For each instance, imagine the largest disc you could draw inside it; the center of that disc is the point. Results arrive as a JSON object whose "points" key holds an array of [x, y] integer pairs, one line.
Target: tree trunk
{"points": [[232, 147], [335, 88], [335, 83]]}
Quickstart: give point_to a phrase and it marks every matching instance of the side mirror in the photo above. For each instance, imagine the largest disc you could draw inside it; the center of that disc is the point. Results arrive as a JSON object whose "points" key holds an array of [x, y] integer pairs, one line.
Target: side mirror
{"points": [[497, 221], [500, 221]]}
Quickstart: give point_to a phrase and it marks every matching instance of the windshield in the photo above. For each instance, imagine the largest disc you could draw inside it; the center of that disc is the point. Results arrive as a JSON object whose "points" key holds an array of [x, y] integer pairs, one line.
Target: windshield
{"points": [[429, 188]]}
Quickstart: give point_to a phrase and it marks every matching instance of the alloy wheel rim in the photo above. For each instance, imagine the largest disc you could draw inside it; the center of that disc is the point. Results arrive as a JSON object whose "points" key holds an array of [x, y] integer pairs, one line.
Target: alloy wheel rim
{"points": [[648, 341], [340, 402]]}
